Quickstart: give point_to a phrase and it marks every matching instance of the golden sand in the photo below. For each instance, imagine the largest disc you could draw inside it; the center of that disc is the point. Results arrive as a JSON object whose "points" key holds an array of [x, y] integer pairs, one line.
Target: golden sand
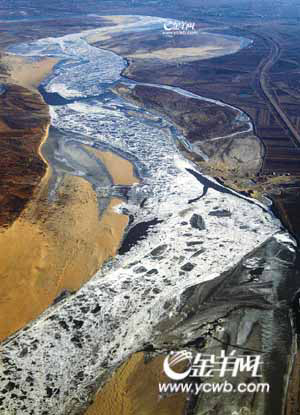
{"points": [[120, 169], [133, 390], [26, 73], [57, 246], [51, 248]]}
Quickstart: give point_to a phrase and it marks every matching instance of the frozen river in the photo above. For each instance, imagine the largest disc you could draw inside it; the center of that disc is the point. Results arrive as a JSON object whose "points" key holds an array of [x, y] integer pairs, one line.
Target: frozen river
{"points": [[67, 350]]}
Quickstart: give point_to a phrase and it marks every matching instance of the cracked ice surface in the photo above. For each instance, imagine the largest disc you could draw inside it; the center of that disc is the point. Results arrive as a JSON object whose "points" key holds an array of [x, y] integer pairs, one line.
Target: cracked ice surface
{"points": [[113, 315], [72, 78]]}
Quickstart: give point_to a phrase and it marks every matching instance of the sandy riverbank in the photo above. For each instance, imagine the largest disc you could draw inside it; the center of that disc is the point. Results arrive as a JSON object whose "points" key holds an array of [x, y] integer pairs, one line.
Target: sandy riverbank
{"points": [[57, 246], [133, 390], [27, 73], [51, 248]]}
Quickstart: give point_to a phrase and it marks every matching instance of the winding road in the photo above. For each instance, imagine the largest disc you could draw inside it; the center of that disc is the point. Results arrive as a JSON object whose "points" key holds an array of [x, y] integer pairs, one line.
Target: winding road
{"points": [[262, 85]]}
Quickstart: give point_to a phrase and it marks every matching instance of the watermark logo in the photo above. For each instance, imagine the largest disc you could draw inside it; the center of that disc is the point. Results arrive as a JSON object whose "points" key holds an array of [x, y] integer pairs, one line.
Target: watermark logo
{"points": [[183, 368], [173, 359], [193, 388], [203, 365], [179, 27]]}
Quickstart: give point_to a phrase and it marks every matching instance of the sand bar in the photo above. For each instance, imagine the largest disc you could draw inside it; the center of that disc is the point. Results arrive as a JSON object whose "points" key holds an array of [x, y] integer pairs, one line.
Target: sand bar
{"points": [[188, 53], [120, 169]]}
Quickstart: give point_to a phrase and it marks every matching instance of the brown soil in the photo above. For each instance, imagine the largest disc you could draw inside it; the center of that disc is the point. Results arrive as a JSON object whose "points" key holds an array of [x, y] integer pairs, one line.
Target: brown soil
{"points": [[24, 119], [204, 124]]}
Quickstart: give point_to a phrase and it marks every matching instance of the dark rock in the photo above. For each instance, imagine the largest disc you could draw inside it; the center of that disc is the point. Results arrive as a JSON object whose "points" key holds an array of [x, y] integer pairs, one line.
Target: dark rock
{"points": [[152, 271], [49, 392], [197, 222], [96, 309], [148, 347], [159, 250], [221, 213], [64, 294], [76, 340], [132, 264], [198, 253], [167, 305], [77, 324], [193, 243], [139, 270], [64, 325], [80, 376], [10, 386], [187, 267], [23, 352], [244, 227], [143, 203], [256, 272]]}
